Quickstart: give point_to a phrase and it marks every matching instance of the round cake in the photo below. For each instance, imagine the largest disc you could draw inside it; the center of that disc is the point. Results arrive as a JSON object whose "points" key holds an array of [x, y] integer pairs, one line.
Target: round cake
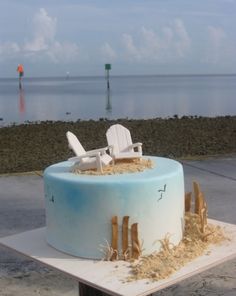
{"points": [[80, 208]]}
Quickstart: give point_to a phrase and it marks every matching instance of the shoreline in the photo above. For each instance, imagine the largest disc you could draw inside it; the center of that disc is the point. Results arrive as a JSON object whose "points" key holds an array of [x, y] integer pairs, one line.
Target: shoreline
{"points": [[35, 145]]}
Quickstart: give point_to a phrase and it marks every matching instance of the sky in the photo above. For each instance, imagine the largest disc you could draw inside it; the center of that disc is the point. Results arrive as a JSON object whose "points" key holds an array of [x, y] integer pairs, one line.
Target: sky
{"points": [[53, 37]]}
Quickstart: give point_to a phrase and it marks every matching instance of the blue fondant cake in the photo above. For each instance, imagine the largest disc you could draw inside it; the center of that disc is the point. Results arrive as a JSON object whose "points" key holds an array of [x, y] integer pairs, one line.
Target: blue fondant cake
{"points": [[79, 208]]}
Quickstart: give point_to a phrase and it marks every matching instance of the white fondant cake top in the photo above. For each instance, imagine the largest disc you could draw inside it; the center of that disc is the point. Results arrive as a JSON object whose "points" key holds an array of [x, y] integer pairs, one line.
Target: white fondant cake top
{"points": [[161, 167]]}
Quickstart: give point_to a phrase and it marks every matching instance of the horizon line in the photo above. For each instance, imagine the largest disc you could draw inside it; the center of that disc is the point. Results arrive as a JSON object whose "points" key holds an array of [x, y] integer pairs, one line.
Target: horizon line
{"points": [[122, 75]]}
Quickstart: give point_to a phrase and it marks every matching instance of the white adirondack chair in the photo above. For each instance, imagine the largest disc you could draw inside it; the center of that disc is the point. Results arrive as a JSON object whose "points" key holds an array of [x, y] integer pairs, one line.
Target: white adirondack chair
{"points": [[120, 143], [87, 160]]}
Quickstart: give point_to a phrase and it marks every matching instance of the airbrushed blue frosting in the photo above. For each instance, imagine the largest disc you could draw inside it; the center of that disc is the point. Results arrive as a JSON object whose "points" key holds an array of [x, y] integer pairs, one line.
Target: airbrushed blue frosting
{"points": [[79, 208]]}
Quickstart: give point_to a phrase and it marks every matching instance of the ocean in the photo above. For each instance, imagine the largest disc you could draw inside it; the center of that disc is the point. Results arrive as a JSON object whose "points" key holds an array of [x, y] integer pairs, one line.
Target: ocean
{"points": [[132, 97]]}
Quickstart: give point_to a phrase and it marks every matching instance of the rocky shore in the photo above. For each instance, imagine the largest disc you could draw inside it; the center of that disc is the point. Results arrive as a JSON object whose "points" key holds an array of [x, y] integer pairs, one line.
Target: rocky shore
{"points": [[34, 146]]}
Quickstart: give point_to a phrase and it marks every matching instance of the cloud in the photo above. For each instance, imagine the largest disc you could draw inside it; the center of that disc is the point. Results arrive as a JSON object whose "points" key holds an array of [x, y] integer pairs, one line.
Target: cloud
{"points": [[132, 51], [44, 32], [44, 41], [216, 46], [183, 42], [167, 43], [108, 52], [65, 52]]}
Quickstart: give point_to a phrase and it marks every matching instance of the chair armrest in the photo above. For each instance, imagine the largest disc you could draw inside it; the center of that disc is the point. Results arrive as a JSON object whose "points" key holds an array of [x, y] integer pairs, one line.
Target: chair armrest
{"points": [[111, 149], [101, 150], [87, 154], [135, 145]]}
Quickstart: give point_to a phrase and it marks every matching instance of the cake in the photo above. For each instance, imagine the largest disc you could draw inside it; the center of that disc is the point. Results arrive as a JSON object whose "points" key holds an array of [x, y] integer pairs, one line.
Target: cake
{"points": [[85, 214]]}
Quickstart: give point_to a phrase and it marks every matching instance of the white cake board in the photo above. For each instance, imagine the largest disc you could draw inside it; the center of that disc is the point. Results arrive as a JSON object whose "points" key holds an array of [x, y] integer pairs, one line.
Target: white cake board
{"points": [[110, 277]]}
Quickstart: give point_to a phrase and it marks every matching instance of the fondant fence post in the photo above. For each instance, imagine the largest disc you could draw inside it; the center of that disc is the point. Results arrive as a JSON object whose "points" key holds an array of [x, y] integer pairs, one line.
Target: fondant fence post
{"points": [[196, 195], [125, 236], [135, 241], [188, 198], [114, 239]]}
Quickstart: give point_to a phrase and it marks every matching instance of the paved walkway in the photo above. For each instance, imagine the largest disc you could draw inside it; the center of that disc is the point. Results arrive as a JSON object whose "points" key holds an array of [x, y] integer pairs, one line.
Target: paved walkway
{"points": [[22, 208]]}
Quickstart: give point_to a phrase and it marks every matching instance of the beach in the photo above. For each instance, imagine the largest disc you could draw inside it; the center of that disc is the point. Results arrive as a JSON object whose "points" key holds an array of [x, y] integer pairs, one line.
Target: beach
{"points": [[34, 146]]}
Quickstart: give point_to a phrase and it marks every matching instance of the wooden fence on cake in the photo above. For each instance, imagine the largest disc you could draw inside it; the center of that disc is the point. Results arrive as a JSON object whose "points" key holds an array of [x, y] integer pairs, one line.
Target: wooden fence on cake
{"points": [[128, 252], [200, 205]]}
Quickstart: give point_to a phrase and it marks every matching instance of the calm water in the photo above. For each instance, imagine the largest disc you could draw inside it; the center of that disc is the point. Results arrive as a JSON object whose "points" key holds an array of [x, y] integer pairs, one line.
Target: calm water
{"points": [[137, 97]]}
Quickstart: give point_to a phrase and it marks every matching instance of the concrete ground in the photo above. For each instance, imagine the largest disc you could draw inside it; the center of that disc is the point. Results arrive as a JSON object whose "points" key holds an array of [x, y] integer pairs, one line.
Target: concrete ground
{"points": [[22, 208]]}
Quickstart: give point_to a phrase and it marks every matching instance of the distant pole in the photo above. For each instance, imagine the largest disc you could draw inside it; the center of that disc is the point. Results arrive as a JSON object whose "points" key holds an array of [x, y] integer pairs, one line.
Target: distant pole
{"points": [[20, 70], [107, 68]]}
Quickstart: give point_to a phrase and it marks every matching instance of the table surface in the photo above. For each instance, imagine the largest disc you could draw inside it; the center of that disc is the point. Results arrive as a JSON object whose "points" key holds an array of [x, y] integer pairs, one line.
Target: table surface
{"points": [[110, 277]]}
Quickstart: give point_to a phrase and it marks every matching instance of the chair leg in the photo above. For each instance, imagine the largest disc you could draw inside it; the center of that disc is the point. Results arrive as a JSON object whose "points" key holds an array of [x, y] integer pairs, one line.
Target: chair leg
{"points": [[99, 163]]}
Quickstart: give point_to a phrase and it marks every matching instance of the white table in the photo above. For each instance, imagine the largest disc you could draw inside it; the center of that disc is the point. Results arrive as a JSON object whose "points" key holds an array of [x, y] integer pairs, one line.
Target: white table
{"points": [[110, 277]]}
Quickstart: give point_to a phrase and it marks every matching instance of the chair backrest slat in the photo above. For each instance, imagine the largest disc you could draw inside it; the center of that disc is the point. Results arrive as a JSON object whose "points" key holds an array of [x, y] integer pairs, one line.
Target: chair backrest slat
{"points": [[119, 137], [74, 144]]}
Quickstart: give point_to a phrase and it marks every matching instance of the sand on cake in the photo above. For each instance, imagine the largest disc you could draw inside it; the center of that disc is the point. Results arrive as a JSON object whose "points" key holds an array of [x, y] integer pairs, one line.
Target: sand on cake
{"points": [[119, 167], [162, 264]]}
